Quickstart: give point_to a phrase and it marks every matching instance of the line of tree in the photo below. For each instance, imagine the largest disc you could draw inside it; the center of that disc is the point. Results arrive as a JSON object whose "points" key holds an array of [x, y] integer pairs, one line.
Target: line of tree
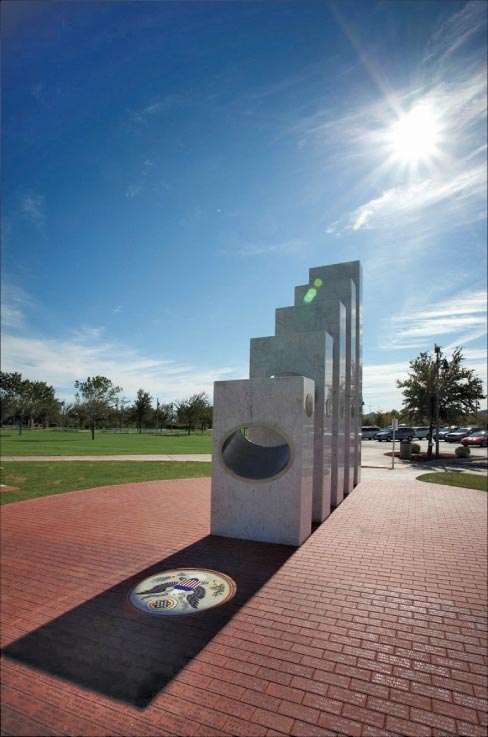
{"points": [[26, 403], [431, 379]]}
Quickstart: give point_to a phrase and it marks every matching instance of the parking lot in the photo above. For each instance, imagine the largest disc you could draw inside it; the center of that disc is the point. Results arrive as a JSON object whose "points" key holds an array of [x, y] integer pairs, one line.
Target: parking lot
{"points": [[373, 452]]}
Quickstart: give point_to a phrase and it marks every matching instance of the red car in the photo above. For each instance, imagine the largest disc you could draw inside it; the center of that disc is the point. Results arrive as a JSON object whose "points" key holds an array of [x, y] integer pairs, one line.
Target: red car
{"points": [[478, 438]]}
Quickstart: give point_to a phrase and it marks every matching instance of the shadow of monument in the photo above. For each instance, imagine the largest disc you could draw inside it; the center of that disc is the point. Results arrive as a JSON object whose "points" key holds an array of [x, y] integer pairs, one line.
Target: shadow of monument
{"points": [[108, 646]]}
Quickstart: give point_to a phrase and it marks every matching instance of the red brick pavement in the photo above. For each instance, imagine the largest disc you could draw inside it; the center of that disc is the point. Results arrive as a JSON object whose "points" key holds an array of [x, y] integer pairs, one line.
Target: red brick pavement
{"points": [[375, 626]]}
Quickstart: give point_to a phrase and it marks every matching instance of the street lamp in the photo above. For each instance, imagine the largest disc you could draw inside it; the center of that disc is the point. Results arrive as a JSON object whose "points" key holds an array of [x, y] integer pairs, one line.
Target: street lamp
{"points": [[437, 350]]}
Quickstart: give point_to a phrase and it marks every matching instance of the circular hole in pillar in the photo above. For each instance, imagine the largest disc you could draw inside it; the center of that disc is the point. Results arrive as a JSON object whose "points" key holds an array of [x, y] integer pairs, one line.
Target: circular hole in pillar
{"points": [[256, 453]]}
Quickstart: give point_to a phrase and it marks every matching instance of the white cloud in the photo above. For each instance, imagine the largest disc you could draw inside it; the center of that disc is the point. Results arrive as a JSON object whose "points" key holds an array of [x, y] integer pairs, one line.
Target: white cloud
{"points": [[132, 190], [461, 198], [32, 206], [15, 303], [379, 386], [60, 362], [456, 31], [460, 319], [380, 391], [164, 105], [448, 190], [136, 187], [12, 317]]}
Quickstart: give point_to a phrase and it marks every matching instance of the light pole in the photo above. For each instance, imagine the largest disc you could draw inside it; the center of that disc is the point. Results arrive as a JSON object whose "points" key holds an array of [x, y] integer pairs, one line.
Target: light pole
{"points": [[437, 350]]}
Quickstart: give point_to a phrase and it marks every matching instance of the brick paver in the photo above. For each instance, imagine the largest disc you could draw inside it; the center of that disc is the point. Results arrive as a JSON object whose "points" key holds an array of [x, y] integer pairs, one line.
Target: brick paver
{"points": [[375, 626]]}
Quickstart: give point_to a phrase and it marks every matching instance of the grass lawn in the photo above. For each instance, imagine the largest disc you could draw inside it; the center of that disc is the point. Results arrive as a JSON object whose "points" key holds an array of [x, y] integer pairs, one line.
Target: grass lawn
{"points": [[44, 478], [61, 443], [456, 478]]}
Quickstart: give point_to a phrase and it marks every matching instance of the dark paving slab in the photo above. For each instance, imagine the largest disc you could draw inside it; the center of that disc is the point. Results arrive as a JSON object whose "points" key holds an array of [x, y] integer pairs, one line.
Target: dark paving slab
{"points": [[375, 626]]}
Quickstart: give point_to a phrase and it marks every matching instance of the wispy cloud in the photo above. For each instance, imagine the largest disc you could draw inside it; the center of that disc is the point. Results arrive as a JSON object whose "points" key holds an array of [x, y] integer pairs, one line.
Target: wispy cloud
{"points": [[461, 199], [460, 320], [136, 187], [60, 362], [14, 304], [166, 104], [379, 385], [33, 207], [379, 381], [456, 31], [445, 191], [133, 190]]}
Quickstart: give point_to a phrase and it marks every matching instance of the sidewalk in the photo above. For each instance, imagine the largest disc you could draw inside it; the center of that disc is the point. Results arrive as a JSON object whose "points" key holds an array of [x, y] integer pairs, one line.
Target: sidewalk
{"points": [[375, 626]]}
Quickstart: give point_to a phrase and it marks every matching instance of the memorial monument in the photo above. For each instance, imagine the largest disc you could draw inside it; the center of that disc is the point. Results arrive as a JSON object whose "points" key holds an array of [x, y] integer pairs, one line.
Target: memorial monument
{"points": [[286, 441]]}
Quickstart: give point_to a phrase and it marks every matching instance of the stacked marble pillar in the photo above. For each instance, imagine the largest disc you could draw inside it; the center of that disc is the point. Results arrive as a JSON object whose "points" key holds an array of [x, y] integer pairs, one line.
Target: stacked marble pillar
{"points": [[287, 440]]}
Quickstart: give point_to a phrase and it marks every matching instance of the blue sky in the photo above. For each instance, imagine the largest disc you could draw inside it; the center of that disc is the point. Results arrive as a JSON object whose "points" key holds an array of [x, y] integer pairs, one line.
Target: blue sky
{"points": [[171, 171]]}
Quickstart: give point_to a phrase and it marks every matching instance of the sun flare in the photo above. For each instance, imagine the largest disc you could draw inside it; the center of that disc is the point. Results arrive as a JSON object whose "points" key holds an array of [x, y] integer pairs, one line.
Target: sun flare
{"points": [[414, 137]]}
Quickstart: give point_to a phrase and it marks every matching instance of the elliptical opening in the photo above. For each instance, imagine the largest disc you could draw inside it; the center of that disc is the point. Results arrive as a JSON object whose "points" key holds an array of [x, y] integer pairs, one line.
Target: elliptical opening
{"points": [[256, 453]]}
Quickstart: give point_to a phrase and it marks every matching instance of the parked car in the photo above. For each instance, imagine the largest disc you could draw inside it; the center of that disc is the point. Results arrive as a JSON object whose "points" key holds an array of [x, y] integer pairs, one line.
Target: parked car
{"points": [[479, 438], [403, 433], [421, 432], [442, 432], [368, 432], [457, 435]]}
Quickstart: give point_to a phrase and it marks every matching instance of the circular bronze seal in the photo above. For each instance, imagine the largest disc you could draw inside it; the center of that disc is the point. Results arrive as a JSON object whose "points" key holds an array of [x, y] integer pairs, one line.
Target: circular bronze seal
{"points": [[182, 591]]}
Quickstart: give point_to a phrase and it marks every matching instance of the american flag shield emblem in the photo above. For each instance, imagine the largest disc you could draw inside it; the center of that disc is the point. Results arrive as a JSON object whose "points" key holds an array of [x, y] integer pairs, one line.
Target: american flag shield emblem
{"points": [[188, 584]]}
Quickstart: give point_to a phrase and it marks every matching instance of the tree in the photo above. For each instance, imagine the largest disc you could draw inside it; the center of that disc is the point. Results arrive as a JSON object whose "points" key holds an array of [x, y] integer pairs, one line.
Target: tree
{"points": [[189, 411], [41, 403], [206, 417], [14, 393], [457, 388], [164, 415], [142, 407], [95, 398]]}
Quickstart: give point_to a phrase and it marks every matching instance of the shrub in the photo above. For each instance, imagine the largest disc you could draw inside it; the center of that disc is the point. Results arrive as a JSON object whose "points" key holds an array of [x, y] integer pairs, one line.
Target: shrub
{"points": [[415, 448], [463, 451]]}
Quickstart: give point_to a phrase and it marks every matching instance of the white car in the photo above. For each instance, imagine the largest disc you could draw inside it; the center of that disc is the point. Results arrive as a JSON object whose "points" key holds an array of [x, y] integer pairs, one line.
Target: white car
{"points": [[368, 432]]}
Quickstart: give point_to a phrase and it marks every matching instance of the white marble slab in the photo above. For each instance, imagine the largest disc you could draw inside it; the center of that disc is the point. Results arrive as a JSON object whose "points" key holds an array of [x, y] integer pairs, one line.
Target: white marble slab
{"points": [[343, 289], [310, 355], [329, 275], [262, 485], [329, 316]]}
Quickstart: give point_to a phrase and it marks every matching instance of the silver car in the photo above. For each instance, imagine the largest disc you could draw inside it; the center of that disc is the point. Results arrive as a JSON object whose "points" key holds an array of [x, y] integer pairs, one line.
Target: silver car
{"points": [[368, 432]]}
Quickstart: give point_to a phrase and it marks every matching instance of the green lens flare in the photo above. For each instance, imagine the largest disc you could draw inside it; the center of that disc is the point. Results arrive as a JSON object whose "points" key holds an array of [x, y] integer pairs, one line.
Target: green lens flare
{"points": [[318, 283], [310, 296]]}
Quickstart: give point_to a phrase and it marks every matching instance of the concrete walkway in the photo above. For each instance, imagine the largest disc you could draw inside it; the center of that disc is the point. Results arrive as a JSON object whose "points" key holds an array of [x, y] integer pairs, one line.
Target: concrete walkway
{"points": [[375, 626]]}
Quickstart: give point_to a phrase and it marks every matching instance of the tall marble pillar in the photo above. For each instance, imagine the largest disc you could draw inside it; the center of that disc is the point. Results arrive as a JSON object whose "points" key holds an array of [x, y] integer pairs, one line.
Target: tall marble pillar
{"points": [[343, 289], [329, 276], [305, 354], [329, 316]]}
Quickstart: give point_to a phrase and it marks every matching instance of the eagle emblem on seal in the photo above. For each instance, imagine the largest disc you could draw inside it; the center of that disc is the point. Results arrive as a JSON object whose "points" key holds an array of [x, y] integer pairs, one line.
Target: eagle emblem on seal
{"points": [[191, 586]]}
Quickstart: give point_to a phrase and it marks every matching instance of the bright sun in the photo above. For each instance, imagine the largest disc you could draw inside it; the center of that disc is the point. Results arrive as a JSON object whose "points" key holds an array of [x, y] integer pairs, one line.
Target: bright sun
{"points": [[413, 138]]}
